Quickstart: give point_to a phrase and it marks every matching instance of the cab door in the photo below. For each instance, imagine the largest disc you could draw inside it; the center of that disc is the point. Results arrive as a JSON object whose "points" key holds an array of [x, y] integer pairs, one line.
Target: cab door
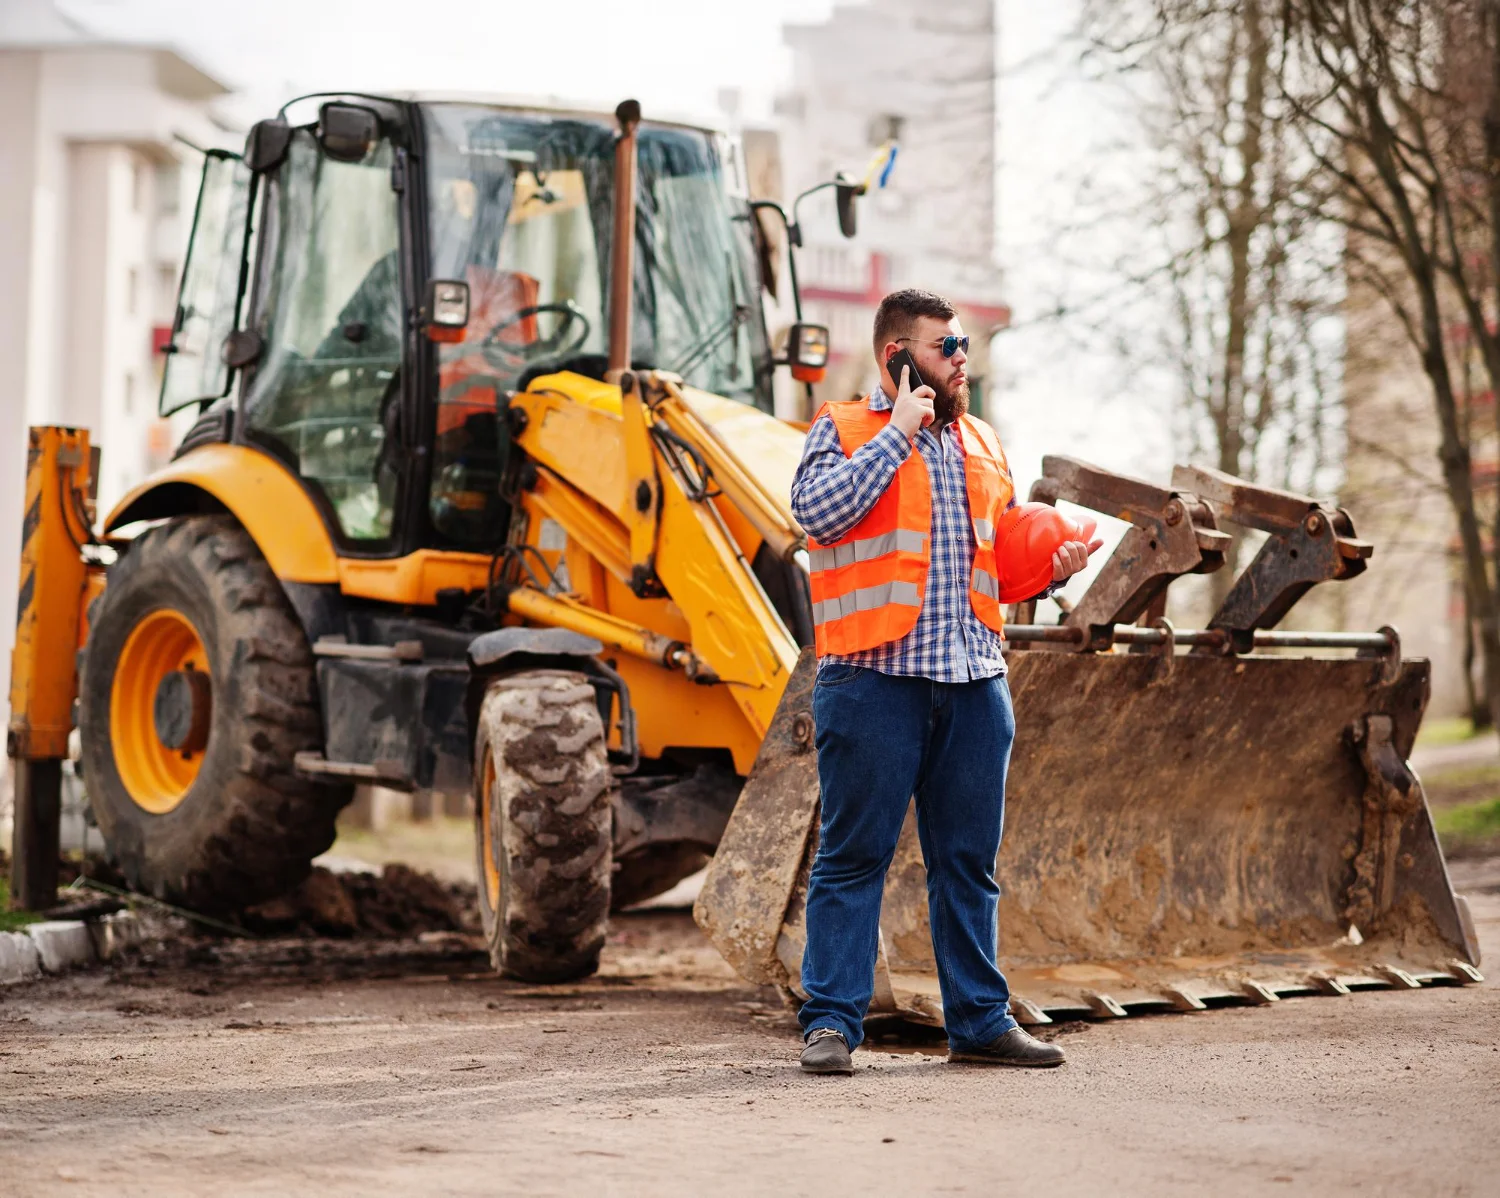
{"points": [[328, 326]]}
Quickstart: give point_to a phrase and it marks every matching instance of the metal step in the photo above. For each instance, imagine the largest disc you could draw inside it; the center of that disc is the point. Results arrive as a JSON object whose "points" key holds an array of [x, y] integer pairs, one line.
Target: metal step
{"points": [[381, 773], [332, 646]]}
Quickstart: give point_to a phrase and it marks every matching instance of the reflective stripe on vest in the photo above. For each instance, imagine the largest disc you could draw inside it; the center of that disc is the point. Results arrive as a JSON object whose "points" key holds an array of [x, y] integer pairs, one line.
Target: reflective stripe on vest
{"points": [[846, 553], [867, 599], [904, 594], [868, 586]]}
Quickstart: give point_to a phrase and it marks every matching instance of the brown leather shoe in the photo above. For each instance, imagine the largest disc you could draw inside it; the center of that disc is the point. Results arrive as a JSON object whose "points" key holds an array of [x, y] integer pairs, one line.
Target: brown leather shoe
{"points": [[1016, 1047]]}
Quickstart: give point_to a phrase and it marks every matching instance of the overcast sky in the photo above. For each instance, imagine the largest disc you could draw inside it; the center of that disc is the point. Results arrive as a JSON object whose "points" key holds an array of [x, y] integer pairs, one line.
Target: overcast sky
{"points": [[1071, 154], [670, 54]]}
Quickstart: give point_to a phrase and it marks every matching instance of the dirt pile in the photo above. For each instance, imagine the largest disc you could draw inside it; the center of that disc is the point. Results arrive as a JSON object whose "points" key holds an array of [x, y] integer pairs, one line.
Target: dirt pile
{"points": [[397, 903]]}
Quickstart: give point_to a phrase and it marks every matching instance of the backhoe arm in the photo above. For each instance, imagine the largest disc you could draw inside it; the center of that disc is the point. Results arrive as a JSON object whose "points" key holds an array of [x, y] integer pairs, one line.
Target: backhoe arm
{"points": [[585, 480], [56, 587]]}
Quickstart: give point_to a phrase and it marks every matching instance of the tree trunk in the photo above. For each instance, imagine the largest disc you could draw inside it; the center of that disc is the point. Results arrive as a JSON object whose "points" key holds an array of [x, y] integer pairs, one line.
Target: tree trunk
{"points": [[1458, 473], [1244, 218], [1479, 710]]}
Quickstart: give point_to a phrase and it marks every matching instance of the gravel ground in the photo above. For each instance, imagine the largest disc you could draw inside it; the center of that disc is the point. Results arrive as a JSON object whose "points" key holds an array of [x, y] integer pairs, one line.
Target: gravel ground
{"points": [[281, 1067]]}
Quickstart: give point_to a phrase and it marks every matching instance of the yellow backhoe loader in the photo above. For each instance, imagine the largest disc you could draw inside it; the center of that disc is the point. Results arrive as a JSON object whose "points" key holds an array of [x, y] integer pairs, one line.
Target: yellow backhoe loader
{"points": [[485, 492]]}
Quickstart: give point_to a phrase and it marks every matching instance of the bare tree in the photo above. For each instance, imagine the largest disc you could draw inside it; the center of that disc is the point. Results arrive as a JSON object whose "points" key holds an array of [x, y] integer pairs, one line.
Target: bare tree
{"points": [[1398, 102], [1251, 278]]}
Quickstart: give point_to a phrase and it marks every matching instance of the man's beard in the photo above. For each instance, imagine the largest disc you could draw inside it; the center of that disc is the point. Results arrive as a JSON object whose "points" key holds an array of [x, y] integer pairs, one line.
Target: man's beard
{"points": [[950, 402]]}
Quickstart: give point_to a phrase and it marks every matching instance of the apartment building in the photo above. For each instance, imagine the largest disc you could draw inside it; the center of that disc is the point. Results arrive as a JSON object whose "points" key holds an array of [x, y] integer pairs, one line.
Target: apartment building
{"points": [[98, 180]]}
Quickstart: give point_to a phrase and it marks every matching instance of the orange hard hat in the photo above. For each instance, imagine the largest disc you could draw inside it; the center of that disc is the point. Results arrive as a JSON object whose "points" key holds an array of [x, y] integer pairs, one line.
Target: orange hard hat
{"points": [[1027, 537]]}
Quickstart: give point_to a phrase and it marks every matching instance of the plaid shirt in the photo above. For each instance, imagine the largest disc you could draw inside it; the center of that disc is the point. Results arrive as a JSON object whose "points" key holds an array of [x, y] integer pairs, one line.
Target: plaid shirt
{"points": [[832, 493]]}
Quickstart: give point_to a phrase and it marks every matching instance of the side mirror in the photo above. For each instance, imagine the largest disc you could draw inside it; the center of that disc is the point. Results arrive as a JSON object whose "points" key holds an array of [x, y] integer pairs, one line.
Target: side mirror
{"points": [[446, 312], [846, 190], [267, 144], [807, 352], [347, 132]]}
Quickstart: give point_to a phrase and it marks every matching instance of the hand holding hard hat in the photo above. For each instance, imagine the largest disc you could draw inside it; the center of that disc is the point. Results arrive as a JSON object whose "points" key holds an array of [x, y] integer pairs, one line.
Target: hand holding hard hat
{"points": [[1035, 545]]}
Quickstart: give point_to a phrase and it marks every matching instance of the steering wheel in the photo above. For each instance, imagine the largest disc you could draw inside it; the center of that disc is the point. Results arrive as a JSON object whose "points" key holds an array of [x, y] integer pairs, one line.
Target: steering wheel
{"points": [[504, 355]]}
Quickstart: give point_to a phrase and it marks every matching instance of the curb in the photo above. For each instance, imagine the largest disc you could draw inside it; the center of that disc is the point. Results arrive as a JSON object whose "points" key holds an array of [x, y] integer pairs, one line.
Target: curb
{"points": [[58, 945]]}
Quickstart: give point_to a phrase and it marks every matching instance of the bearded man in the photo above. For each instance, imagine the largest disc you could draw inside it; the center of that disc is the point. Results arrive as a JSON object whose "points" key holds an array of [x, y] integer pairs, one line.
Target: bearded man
{"points": [[910, 699]]}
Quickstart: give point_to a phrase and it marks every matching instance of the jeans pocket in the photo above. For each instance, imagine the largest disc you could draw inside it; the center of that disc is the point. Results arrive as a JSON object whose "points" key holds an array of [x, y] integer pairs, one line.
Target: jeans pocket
{"points": [[836, 673]]}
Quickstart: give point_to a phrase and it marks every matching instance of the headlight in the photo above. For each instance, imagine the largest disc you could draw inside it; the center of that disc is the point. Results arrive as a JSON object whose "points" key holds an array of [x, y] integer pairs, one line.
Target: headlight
{"points": [[807, 352]]}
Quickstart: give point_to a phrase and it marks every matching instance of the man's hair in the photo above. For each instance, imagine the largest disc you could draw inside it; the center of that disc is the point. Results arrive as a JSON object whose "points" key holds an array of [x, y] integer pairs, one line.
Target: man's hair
{"points": [[899, 312]]}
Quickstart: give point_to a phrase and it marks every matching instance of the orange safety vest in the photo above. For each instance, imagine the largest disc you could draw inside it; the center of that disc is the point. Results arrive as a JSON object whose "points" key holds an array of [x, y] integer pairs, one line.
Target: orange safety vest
{"points": [[867, 587]]}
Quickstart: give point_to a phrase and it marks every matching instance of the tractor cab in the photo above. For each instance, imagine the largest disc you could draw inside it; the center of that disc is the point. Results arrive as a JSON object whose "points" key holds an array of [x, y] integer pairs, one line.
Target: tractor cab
{"points": [[366, 286]]}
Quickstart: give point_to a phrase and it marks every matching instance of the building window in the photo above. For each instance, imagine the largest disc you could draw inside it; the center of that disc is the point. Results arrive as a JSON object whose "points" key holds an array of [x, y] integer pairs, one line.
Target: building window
{"points": [[132, 288], [168, 188], [138, 187], [166, 289], [129, 394]]}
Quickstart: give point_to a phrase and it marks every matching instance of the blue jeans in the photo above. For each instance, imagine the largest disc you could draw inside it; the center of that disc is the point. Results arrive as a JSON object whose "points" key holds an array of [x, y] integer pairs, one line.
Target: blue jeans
{"points": [[882, 739]]}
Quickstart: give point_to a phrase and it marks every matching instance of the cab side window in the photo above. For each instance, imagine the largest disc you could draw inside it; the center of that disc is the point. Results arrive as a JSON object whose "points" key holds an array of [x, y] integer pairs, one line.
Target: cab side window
{"points": [[327, 386]]}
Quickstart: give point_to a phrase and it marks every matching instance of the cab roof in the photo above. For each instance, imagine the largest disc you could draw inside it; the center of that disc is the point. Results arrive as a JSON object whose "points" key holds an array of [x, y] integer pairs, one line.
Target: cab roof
{"points": [[551, 105]]}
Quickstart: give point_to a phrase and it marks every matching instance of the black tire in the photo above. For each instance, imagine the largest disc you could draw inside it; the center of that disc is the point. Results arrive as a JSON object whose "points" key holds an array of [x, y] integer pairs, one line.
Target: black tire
{"points": [[543, 820], [248, 826]]}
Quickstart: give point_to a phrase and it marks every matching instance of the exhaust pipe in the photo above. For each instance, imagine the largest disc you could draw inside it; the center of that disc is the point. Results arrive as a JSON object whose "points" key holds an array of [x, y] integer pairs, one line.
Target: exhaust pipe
{"points": [[622, 248]]}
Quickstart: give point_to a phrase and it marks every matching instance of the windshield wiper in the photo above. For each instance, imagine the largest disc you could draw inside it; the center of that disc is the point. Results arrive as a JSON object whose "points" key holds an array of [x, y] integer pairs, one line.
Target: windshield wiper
{"points": [[729, 327]]}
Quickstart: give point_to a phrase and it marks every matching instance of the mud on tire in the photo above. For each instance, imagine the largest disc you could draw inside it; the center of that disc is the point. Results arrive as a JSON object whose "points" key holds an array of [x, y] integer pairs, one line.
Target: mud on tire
{"points": [[247, 827], [544, 836]]}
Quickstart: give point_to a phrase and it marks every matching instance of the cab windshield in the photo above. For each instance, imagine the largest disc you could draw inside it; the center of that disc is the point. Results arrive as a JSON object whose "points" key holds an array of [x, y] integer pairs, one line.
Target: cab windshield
{"points": [[521, 207]]}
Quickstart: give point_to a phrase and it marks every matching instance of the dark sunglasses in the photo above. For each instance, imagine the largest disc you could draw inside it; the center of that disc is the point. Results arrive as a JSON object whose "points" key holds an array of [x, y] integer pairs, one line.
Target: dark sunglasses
{"points": [[951, 344]]}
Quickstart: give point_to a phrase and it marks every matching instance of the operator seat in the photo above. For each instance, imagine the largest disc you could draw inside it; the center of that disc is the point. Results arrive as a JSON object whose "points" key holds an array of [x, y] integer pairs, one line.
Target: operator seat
{"points": [[469, 455], [467, 380]]}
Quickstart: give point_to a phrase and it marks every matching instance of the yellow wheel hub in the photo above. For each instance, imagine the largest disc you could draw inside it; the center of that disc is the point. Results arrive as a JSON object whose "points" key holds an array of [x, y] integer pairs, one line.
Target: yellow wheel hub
{"points": [[159, 650], [487, 847]]}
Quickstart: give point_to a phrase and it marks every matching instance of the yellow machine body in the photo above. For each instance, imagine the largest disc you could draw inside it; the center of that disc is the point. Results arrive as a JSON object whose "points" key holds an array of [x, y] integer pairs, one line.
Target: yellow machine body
{"points": [[54, 593], [575, 432], [57, 585]]}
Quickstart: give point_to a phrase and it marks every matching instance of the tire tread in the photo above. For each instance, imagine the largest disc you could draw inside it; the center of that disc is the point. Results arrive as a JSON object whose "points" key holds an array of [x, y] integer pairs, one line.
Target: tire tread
{"points": [[554, 806]]}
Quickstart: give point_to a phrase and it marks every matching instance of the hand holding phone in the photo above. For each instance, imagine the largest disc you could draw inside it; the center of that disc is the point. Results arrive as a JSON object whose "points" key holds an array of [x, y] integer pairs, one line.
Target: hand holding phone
{"points": [[913, 399]]}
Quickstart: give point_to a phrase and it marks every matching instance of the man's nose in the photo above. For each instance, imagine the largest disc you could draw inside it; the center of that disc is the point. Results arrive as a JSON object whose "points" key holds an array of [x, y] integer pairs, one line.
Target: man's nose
{"points": [[959, 358]]}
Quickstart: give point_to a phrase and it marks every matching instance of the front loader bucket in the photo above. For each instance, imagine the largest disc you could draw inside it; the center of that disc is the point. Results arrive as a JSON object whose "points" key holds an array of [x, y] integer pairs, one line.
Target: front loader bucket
{"points": [[1182, 829], [1234, 829]]}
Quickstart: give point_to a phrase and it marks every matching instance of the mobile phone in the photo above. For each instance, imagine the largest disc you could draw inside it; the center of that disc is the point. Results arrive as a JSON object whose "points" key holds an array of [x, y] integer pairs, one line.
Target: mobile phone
{"points": [[902, 357]]}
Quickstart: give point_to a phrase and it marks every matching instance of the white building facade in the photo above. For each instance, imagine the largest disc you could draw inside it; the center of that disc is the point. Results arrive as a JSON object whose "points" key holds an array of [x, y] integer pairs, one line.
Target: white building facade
{"points": [[98, 182]]}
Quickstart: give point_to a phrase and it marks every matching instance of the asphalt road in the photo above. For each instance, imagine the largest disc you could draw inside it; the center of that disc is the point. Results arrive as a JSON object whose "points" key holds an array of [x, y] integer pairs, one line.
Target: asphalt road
{"points": [[288, 1068]]}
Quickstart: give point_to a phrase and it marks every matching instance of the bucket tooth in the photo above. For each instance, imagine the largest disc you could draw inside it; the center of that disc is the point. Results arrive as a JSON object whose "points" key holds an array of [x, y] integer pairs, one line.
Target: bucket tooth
{"points": [[1027, 1012], [1326, 983], [1398, 978], [1104, 1007], [1259, 993], [1464, 972], [1184, 999]]}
